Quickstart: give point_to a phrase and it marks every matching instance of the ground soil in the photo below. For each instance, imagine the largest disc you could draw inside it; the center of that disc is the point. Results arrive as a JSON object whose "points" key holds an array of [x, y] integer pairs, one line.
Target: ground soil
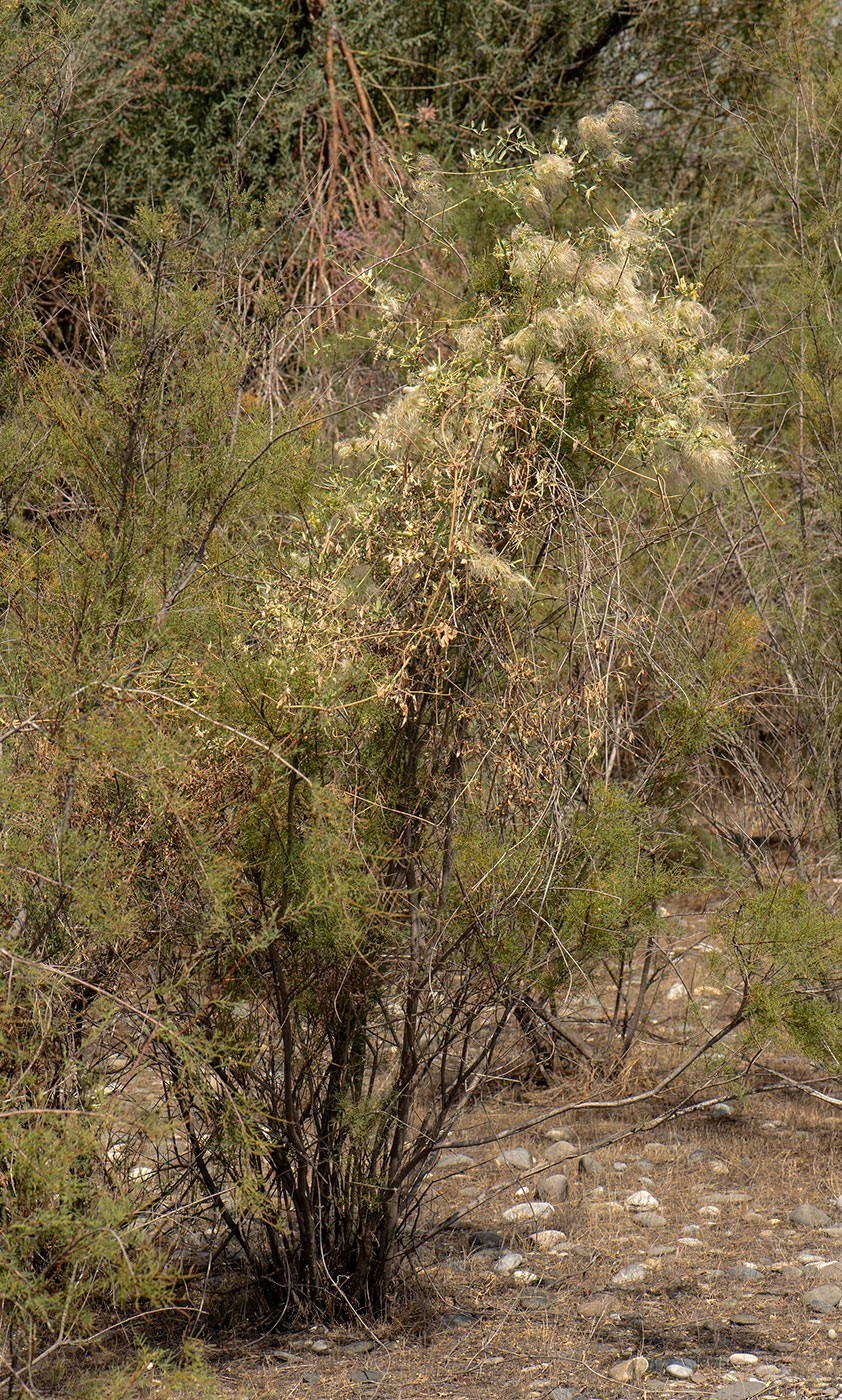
{"points": [[725, 1186]]}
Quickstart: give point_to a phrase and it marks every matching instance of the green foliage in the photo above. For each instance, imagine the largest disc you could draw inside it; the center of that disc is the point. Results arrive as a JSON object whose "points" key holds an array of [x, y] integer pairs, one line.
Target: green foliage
{"points": [[73, 1242], [169, 101], [788, 946]]}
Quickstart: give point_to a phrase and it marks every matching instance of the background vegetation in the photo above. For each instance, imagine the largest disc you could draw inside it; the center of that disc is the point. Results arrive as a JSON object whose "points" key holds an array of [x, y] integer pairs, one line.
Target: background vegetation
{"points": [[420, 557]]}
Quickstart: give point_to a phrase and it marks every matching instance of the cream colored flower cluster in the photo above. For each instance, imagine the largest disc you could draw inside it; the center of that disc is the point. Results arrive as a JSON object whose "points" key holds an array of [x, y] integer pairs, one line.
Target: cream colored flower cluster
{"points": [[581, 309]]}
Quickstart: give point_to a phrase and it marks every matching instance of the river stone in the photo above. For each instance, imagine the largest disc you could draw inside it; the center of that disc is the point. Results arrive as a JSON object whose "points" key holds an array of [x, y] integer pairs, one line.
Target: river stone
{"points": [[641, 1200], [632, 1370], [649, 1219], [507, 1262], [454, 1159], [811, 1216], [561, 1135], [589, 1166], [823, 1299], [530, 1210], [549, 1240], [745, 1272], [560, 1151], [519, 1157], [370, 1376], [555, 1187], [829, 1273], [535, 1300], [599, 1305], [680, 1370], [630, 1273]]}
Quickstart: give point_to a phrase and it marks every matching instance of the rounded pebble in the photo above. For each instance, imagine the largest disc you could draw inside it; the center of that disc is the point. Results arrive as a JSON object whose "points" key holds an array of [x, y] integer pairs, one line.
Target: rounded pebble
{"points": [[809, 1215], [630, 1273], [507, 1262], [549, 1239], [632, 1370], [650, 1219], [641, 1200], [555, 1187], [530, 1210], [823, 1299], [519, 1157]]}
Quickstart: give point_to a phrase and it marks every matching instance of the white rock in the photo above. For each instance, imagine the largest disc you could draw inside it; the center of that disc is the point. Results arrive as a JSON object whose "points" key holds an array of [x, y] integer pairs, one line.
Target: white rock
{"points": [[548, 1240], [530, 1210], [742, 1358], [561, 1134], [525, 1276], [641, 1200], [507, 1262], [519, 1157], [630, 1273], [450, 1158], [677, 992], [679, 1371], [709, 1212]]}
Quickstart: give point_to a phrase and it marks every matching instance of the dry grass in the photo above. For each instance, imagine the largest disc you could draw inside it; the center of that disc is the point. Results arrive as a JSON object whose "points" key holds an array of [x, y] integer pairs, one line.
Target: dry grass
{"points": [[688, 1305], [778, 1150]]}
